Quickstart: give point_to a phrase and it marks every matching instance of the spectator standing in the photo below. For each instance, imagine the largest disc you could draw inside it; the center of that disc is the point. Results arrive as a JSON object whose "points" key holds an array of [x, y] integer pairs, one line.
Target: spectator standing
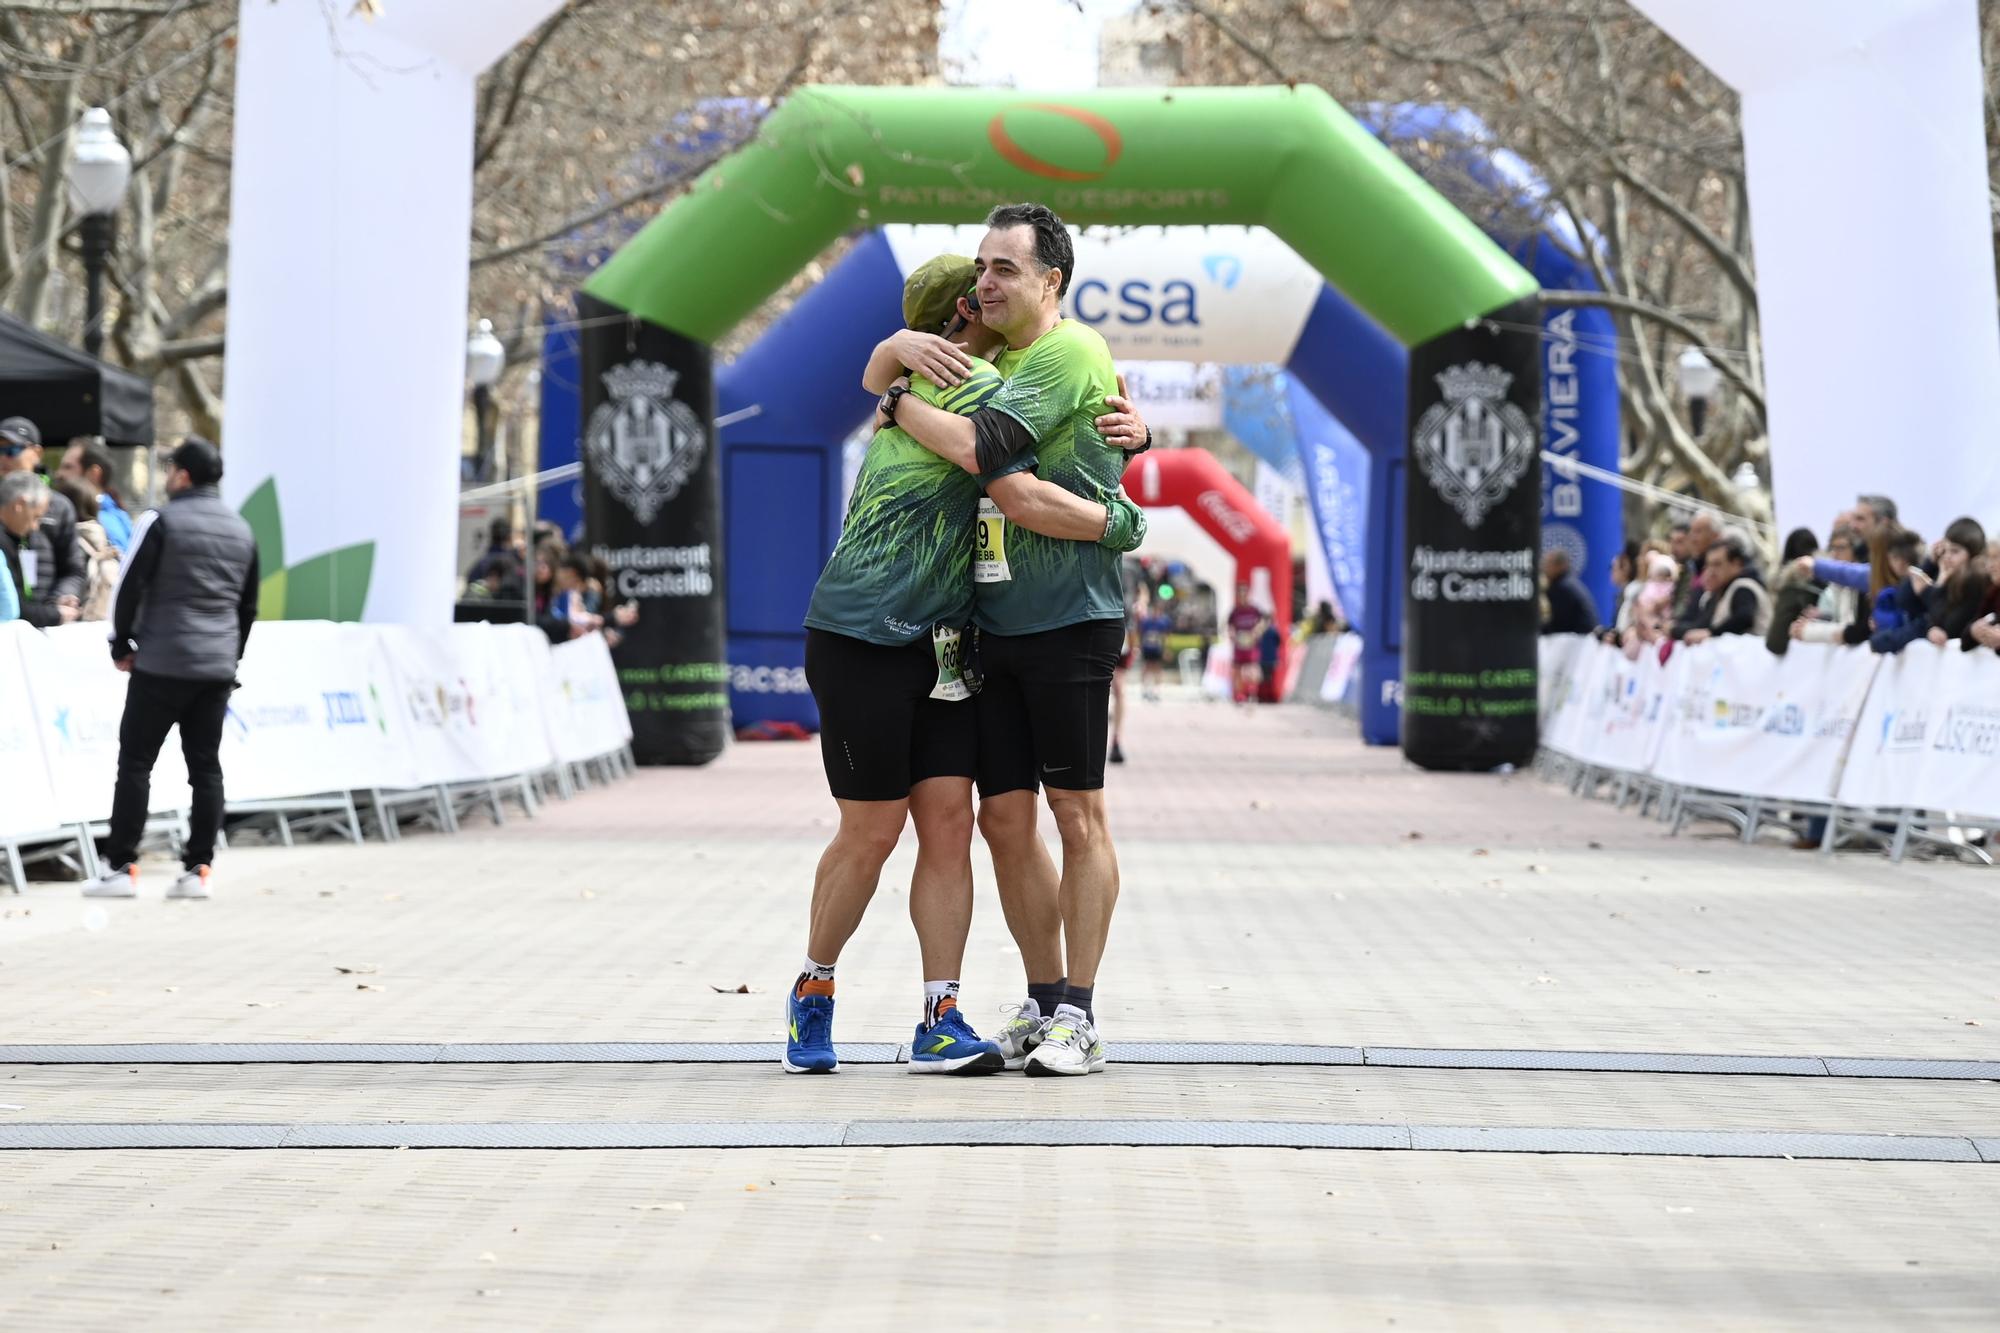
{"points": [[1874, 516], [1652, 619], [10, 596], [31, 560], [82, 463], [1703, 532], [180, 620], [1797, 594], [100, 557], [497, 575], [1572, 610], [1154, 626], [21, 451], [1734, 599]]}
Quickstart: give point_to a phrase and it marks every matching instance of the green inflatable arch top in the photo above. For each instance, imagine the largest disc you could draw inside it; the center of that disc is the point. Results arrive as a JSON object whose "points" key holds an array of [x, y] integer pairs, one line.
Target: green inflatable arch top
{"points": [[833, 159]]}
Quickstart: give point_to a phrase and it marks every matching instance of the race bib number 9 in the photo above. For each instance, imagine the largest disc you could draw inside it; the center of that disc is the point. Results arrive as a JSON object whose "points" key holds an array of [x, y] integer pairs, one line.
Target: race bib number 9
{"points": [[949, 645], [989, 549]]}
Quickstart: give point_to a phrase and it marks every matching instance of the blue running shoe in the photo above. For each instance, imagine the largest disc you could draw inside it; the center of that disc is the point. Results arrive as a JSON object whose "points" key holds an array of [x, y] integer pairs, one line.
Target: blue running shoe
{"points": [[809, 1035], [950, 1046]]}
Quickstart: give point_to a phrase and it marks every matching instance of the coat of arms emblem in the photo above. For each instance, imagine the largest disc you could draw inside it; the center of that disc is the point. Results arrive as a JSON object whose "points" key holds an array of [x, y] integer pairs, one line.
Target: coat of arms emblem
{"points": [[1475, 445], [644, 443]]}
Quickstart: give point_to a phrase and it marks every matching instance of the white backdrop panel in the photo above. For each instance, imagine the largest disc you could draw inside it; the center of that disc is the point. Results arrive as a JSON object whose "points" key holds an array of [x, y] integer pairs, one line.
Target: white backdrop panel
{"points": [[30, 804]]}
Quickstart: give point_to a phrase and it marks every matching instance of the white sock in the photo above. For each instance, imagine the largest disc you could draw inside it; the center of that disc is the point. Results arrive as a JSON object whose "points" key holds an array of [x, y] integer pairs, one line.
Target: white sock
{"points": [[935, 993], [1069, 1016], [813, 972]]}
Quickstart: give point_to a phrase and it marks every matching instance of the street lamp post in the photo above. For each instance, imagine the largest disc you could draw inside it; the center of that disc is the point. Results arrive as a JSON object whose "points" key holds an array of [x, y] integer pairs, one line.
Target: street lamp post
{"points": [[99, 169], [1699, 380], [485, 358]]}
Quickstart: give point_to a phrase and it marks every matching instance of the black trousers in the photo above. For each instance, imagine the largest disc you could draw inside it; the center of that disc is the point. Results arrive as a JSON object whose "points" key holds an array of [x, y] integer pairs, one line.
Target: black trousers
{"points": [[153, 706]]}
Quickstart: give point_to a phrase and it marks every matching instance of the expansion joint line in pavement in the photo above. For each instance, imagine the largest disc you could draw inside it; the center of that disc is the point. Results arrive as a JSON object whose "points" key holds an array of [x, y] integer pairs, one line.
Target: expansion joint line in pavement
{"points": [[869, 1053], [519, 1136]]}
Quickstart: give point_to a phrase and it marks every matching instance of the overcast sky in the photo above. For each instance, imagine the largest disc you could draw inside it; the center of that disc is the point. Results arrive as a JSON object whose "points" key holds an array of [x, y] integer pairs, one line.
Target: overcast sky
{"points": [[1040, 44]]}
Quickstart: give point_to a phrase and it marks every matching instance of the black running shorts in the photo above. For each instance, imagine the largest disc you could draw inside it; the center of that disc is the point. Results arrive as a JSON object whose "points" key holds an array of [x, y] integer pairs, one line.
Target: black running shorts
{"points": [[1045, 707], [880, 732]]}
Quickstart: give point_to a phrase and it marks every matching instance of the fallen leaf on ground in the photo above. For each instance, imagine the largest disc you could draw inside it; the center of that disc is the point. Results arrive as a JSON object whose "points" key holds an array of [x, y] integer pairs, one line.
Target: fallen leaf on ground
{"points": [[1538, 869], [365, 986], [1413, 836], [659, 1207], [263, 1004], [359, 969], [1481, 851], [745, 989]]}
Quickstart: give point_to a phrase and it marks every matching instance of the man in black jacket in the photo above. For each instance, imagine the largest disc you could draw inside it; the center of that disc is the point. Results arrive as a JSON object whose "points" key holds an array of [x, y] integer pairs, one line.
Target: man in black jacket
{"points": [[179, 621], [1572, 610], [64, 579]]}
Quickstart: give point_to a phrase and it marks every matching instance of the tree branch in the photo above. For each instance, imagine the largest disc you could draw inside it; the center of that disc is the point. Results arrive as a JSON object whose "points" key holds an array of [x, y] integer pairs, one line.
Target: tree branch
{"points": [[1724, 361]]}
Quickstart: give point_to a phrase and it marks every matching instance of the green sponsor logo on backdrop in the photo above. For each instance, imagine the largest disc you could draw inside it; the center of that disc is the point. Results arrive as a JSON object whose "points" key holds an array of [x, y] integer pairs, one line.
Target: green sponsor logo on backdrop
{"points": [[331, 586]]}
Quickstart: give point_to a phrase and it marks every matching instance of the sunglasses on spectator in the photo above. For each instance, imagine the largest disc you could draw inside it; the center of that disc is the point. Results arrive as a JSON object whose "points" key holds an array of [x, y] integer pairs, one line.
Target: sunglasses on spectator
{"points": [[8, 449]]}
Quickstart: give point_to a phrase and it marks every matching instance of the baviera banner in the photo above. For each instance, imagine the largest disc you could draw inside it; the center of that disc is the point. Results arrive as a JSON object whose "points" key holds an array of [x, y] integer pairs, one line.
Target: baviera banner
{"points": [[1471, 612], [652, 501]]}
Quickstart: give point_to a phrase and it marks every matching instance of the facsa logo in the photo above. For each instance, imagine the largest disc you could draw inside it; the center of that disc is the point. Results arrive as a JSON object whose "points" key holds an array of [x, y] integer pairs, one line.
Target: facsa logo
{"points": [[1174, 303]]}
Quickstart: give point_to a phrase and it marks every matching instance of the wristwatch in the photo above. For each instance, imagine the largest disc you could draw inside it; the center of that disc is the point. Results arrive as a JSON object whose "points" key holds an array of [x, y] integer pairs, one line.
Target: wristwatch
{"points": [[1134, 453], [889, 401]]}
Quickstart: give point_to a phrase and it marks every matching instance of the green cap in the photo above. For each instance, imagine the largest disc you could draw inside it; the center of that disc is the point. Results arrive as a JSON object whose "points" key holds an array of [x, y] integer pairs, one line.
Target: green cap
{"points": [[930, 295]]}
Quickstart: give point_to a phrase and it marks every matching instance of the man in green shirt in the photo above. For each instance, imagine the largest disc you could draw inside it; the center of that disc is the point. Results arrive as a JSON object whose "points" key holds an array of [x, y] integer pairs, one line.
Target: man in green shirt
{"points": [[898, 736], [1051, 619]]}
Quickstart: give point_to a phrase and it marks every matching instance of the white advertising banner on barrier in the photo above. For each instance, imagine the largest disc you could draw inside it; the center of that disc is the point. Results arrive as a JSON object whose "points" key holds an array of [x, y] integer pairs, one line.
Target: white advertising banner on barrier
{"points": [[588, 717], [322, 707], [30, 803], [1764, 725], [1930, 736], [316, 713], [79, 700]]}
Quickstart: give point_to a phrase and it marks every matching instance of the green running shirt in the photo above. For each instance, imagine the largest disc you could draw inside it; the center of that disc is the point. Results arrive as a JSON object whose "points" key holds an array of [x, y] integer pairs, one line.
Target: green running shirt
{"points": [[1056, 387], [904, 559]]}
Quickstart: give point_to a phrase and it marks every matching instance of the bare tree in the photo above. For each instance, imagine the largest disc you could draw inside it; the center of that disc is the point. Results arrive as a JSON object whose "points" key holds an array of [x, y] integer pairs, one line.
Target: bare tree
{"points": [[593, 122], [1640, 145]]}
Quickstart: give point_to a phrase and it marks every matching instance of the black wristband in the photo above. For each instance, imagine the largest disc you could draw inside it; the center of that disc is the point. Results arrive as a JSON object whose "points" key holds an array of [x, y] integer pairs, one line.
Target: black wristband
{"points": [[890, 400], [1134, 453]]}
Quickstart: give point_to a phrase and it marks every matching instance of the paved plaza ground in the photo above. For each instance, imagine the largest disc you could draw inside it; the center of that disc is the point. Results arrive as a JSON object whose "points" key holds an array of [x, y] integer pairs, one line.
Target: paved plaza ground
{"points": [[569, 987]]}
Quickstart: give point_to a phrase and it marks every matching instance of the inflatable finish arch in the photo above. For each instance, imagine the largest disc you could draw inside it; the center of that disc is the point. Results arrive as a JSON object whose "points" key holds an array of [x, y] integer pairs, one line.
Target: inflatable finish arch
{"points": [[1290, 159]]}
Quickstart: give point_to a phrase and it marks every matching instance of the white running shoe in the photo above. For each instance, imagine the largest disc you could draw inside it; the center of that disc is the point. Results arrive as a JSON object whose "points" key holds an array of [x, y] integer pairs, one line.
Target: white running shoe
{"points": [[1070, 1047], [191, 884], [115, 884], [1022, 1032]]}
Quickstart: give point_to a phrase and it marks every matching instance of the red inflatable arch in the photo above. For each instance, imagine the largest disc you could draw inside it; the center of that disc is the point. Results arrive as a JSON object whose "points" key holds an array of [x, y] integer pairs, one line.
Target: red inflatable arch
{"points": [[1192, 479]]}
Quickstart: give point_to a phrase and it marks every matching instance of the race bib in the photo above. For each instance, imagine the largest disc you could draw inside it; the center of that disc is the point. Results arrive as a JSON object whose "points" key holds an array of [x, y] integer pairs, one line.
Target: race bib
{"points": [[949, 645], [31, 568], [989, 549]]}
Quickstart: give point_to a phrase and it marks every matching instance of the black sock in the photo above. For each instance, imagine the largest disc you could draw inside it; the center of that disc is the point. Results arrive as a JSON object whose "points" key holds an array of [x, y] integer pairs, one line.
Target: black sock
{"points": [[1047, 997], [1079, 997]]}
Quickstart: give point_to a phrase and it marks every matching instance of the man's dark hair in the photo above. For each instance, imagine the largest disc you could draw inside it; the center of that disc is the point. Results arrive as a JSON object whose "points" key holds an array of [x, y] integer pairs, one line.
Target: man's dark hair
{"points": [[1734, 545], [1908, 545], [499, 530], [578, 563], [1053, 249], [1801, 541], [1678, 525]]}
